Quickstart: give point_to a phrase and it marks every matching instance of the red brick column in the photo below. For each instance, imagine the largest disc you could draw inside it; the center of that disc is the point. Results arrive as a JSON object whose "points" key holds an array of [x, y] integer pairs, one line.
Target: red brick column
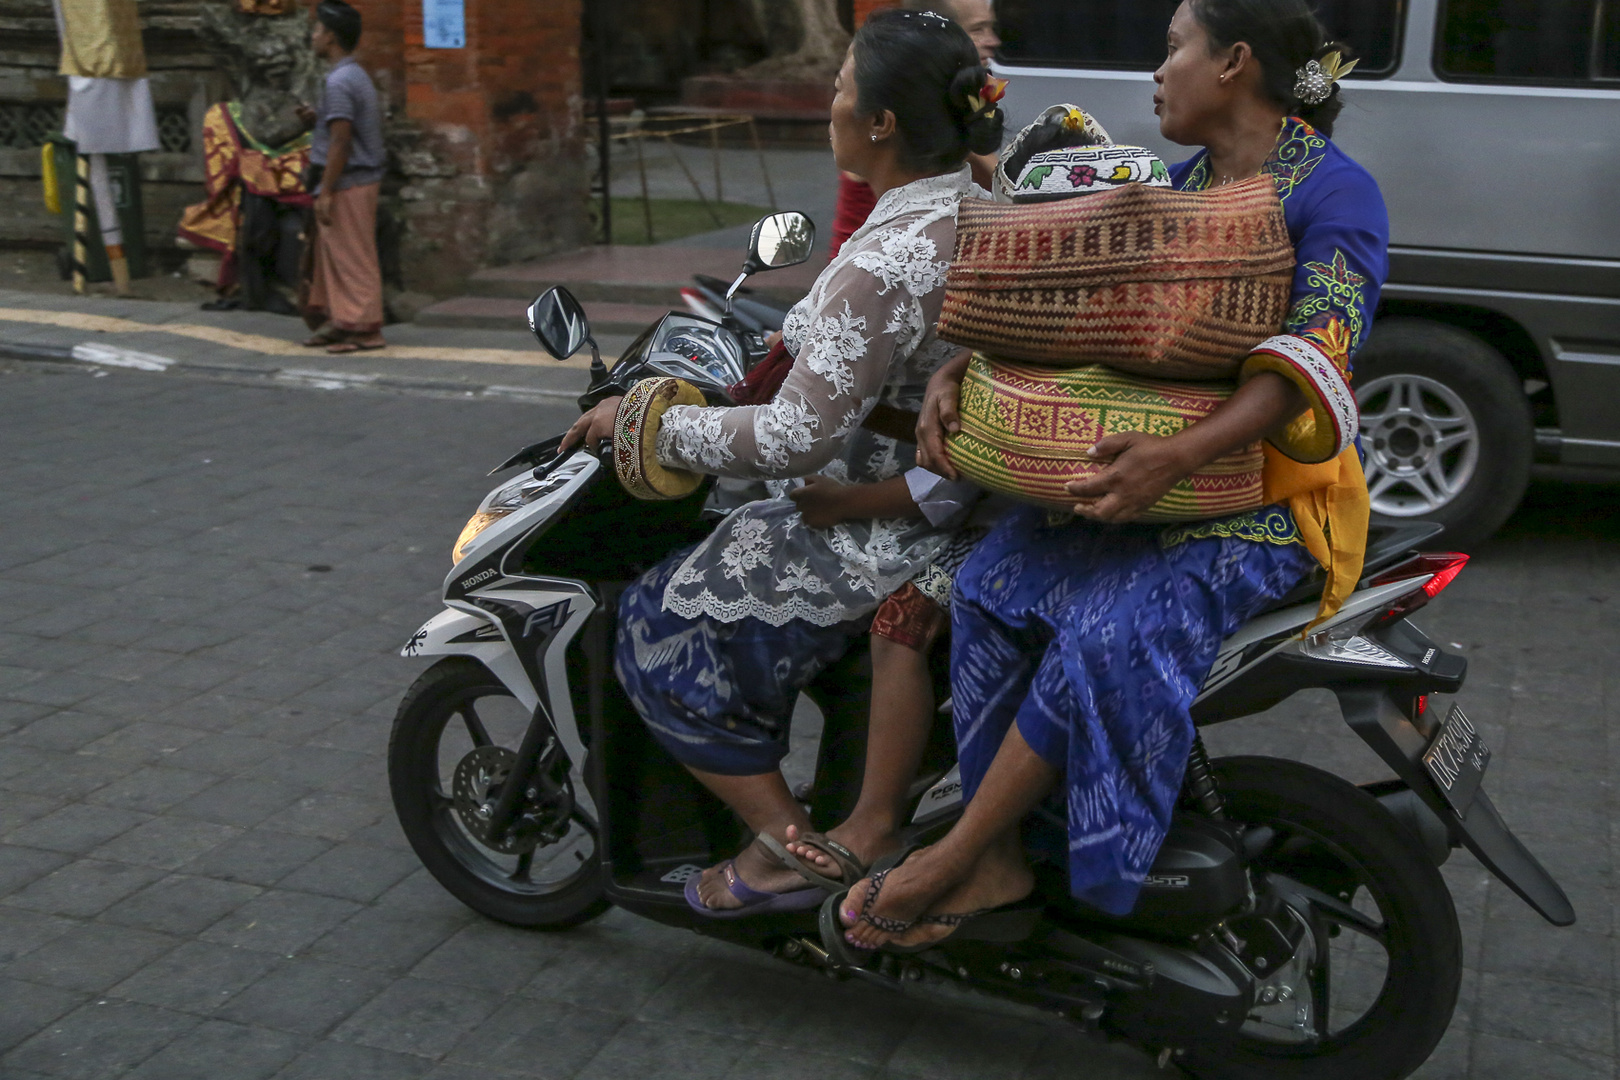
{"points": [[499, 172], [382, 48], [863, 8]]}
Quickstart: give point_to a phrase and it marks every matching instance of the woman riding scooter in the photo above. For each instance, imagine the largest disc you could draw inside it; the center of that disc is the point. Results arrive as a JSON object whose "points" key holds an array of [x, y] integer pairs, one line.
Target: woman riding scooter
{"points": [[1078, 648], [715, 643]]}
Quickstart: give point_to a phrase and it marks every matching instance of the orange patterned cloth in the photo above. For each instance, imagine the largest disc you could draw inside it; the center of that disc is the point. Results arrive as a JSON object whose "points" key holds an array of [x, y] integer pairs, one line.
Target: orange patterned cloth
{"points": [[909, 617], [233, 162]]}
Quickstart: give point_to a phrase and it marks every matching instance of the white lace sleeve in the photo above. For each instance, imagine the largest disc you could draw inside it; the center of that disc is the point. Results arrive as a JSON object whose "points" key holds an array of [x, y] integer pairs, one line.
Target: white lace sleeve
{"points": [[868, 311]]}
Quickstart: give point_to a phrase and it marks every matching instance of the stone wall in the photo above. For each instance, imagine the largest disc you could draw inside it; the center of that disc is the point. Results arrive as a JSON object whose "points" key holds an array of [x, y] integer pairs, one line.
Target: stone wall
{"points": [[487, 150], [185, 80]]}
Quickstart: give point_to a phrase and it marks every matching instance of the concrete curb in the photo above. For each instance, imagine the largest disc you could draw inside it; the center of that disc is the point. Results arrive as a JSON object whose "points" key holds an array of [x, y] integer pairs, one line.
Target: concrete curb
{"points": [[307, 378]]}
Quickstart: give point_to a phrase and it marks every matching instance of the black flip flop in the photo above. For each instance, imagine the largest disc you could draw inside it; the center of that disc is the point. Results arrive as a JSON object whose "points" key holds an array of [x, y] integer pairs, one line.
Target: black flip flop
{"points": [[848, 862]]}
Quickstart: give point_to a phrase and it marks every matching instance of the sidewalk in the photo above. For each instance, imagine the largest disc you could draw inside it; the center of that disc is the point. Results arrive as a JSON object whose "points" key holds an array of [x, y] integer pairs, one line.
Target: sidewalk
{"points": [[461, 355], [180, 338]]}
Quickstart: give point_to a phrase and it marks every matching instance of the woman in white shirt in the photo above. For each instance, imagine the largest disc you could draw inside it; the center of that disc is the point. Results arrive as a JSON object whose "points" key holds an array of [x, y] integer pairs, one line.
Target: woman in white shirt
{"points": [[715, 643]]}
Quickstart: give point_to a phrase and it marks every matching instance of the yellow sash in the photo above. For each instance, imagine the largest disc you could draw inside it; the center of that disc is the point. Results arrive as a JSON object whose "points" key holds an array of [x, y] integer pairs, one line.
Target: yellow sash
{"points": [[1331, 509]]}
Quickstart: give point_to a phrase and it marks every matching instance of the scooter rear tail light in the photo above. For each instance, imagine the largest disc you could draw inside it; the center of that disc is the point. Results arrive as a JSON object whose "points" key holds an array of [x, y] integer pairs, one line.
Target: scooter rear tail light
{"points": [[1439, 568]]}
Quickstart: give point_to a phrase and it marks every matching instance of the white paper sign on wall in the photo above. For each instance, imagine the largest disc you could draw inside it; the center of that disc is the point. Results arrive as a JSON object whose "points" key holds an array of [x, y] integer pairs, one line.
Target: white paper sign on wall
{"points": [[444, 24]]}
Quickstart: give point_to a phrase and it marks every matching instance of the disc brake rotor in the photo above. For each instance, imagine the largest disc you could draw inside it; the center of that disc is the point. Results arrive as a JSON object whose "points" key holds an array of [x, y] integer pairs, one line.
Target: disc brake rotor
{"points": [[543, 814], [475, 790]]}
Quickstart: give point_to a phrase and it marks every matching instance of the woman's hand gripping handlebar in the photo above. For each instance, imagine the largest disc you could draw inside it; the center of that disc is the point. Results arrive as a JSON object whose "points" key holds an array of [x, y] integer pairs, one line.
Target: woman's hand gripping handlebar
{"points": [[593, 428]]}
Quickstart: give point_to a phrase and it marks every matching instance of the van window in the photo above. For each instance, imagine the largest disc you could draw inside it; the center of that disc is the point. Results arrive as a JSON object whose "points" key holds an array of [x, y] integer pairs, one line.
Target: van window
{"points": [[1129, 34], [1540, 41]]}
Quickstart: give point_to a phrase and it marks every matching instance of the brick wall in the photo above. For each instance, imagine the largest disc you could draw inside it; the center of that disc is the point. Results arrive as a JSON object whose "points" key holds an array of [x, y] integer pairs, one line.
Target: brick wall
{"points": [[382, 47], [863, 8], [488, 138]]}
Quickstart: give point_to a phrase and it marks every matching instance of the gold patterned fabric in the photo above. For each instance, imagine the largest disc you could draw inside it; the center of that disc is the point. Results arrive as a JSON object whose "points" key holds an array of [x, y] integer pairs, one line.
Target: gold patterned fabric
{"points": [[232, 163], [1026, 430], [101, 39]]}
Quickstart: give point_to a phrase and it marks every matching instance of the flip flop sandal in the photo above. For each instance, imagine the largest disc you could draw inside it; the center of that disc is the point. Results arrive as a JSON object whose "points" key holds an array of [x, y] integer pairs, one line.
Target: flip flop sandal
{"points": [[338, 348], [754, 902], [832, 934], [322, 339], [1006, 924], [848, 862]]}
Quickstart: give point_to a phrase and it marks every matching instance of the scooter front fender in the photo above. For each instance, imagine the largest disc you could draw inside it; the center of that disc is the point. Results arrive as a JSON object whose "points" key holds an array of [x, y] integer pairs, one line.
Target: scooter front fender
{"points": [[461, 633], [1382, 725]]}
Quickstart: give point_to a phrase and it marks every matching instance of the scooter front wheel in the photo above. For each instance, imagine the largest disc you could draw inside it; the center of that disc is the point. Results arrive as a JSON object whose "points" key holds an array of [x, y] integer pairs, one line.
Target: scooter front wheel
{"points": [[454, 730]]}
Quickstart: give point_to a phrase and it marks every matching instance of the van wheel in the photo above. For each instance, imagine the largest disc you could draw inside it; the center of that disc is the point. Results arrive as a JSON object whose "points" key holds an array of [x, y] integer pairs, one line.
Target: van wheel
{"points": [[1446, 429]]}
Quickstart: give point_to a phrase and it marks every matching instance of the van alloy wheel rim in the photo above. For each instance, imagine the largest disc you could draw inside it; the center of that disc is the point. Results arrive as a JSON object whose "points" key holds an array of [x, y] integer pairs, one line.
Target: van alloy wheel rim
{"points": [[1421, 442]]}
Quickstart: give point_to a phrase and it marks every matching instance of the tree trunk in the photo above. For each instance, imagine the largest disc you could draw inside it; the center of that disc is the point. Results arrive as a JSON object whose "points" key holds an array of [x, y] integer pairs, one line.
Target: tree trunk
{"points": [[803, 36], [824, 40]]}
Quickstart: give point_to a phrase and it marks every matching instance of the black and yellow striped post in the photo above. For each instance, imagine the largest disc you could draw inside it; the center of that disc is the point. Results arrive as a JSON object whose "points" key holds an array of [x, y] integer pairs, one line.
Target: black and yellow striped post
{"points": [[81, 219]]}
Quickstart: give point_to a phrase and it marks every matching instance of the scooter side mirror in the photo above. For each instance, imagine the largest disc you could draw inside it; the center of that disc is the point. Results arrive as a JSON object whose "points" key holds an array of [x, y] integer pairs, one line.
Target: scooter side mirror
{"points": [[558, 320], [781, 240], [777, 240]]}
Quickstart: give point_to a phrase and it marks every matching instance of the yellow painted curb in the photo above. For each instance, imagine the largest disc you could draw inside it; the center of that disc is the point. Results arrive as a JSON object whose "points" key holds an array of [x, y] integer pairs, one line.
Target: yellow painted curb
{"points": [[106, 324]]}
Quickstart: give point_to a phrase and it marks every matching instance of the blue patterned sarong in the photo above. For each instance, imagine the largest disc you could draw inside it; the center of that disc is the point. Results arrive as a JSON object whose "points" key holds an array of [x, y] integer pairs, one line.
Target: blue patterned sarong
{"points": [[1095, 639], [718, 696]]}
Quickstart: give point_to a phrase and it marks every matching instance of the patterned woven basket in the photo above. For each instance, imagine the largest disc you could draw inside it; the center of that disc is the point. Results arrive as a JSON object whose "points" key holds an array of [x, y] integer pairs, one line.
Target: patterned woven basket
{"points": [[1160, 283], [635, 439], [1026, 430]]}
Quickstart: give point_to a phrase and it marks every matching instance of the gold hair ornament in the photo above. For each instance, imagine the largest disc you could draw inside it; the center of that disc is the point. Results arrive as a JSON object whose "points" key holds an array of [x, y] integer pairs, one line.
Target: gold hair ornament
{"points": [[1313, 83]]}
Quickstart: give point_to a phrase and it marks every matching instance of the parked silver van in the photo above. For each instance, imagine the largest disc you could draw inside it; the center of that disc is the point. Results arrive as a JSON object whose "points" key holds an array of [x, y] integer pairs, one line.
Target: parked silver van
{"points": [[1493, 127]]}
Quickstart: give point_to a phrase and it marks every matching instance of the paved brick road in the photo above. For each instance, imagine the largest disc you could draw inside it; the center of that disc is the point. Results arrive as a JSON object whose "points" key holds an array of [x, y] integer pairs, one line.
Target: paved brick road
{"points": [[200, 876]]}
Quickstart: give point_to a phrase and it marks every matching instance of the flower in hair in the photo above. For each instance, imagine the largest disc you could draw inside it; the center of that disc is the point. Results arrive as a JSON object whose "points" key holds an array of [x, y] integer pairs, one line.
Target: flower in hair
{"points": [[1313, 83], [984, 102]]}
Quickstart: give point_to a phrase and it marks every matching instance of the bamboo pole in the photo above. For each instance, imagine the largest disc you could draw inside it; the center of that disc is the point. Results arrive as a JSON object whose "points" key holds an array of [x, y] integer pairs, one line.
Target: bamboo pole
{"points": [[646, 200]]}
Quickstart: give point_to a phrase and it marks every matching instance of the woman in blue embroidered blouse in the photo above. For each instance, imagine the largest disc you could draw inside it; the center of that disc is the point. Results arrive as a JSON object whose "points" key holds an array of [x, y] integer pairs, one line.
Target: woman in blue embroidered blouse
{"points": [[1078, 648]]}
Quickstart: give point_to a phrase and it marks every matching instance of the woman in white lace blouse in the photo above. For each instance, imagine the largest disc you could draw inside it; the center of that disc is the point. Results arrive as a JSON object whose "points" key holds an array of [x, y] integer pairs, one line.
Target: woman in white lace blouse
{"points": [[715, 643]]}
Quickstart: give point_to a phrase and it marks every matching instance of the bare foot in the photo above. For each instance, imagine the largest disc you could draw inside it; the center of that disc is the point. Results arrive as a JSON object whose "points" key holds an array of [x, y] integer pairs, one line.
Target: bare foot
{"points": [[756, 869], [868, 844], [932, 889]]}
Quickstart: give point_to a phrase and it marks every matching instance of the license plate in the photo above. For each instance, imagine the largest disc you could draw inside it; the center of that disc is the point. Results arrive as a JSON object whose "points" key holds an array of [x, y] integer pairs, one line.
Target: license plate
{"points": [[1456, 760]]}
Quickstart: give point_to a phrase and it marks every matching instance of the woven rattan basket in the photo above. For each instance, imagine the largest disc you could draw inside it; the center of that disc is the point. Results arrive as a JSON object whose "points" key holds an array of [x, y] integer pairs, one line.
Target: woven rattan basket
{"points": [[1154, 282], [1026, 430]]}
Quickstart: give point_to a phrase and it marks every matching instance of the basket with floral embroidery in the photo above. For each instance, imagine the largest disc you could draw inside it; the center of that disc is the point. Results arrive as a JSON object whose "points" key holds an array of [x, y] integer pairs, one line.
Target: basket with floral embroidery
{"points": [[1150, 281], [1026, 430]]}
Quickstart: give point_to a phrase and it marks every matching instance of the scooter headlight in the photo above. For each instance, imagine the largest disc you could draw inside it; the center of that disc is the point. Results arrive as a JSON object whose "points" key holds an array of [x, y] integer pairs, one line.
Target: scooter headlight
{"points": [[475, 525], [511, 497]]}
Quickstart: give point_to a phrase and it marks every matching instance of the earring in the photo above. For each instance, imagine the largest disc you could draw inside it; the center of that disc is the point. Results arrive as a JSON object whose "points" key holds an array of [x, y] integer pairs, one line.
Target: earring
{"points": [[874, 138]]}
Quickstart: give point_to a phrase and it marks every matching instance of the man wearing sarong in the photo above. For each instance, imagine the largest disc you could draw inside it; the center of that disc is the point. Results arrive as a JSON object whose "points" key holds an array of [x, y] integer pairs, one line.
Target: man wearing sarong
{"points": [[345, 296]]}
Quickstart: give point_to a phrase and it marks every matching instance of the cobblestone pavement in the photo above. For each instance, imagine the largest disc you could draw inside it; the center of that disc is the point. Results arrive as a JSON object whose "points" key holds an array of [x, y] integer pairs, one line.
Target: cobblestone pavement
{"points": [[203, 586]]}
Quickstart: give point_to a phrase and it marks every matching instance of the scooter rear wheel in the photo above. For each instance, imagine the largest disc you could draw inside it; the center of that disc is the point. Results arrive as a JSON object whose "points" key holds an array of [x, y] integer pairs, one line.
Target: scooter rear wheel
{"points": [[550, 885], [1387, 949]]}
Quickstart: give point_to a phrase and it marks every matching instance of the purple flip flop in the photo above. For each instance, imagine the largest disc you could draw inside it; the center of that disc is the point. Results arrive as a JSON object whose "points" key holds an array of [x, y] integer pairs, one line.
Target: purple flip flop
{"points": [[754, 902]]}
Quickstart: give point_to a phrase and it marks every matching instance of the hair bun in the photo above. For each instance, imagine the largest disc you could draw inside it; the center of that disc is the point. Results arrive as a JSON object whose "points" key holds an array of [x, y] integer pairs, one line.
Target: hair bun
{"points": [[965, 86], [982, 121]]}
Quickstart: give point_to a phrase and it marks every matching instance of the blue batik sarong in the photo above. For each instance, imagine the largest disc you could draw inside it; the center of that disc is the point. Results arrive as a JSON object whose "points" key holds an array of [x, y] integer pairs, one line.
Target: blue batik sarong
{"points": [[1094, 640], [718, 696]]}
